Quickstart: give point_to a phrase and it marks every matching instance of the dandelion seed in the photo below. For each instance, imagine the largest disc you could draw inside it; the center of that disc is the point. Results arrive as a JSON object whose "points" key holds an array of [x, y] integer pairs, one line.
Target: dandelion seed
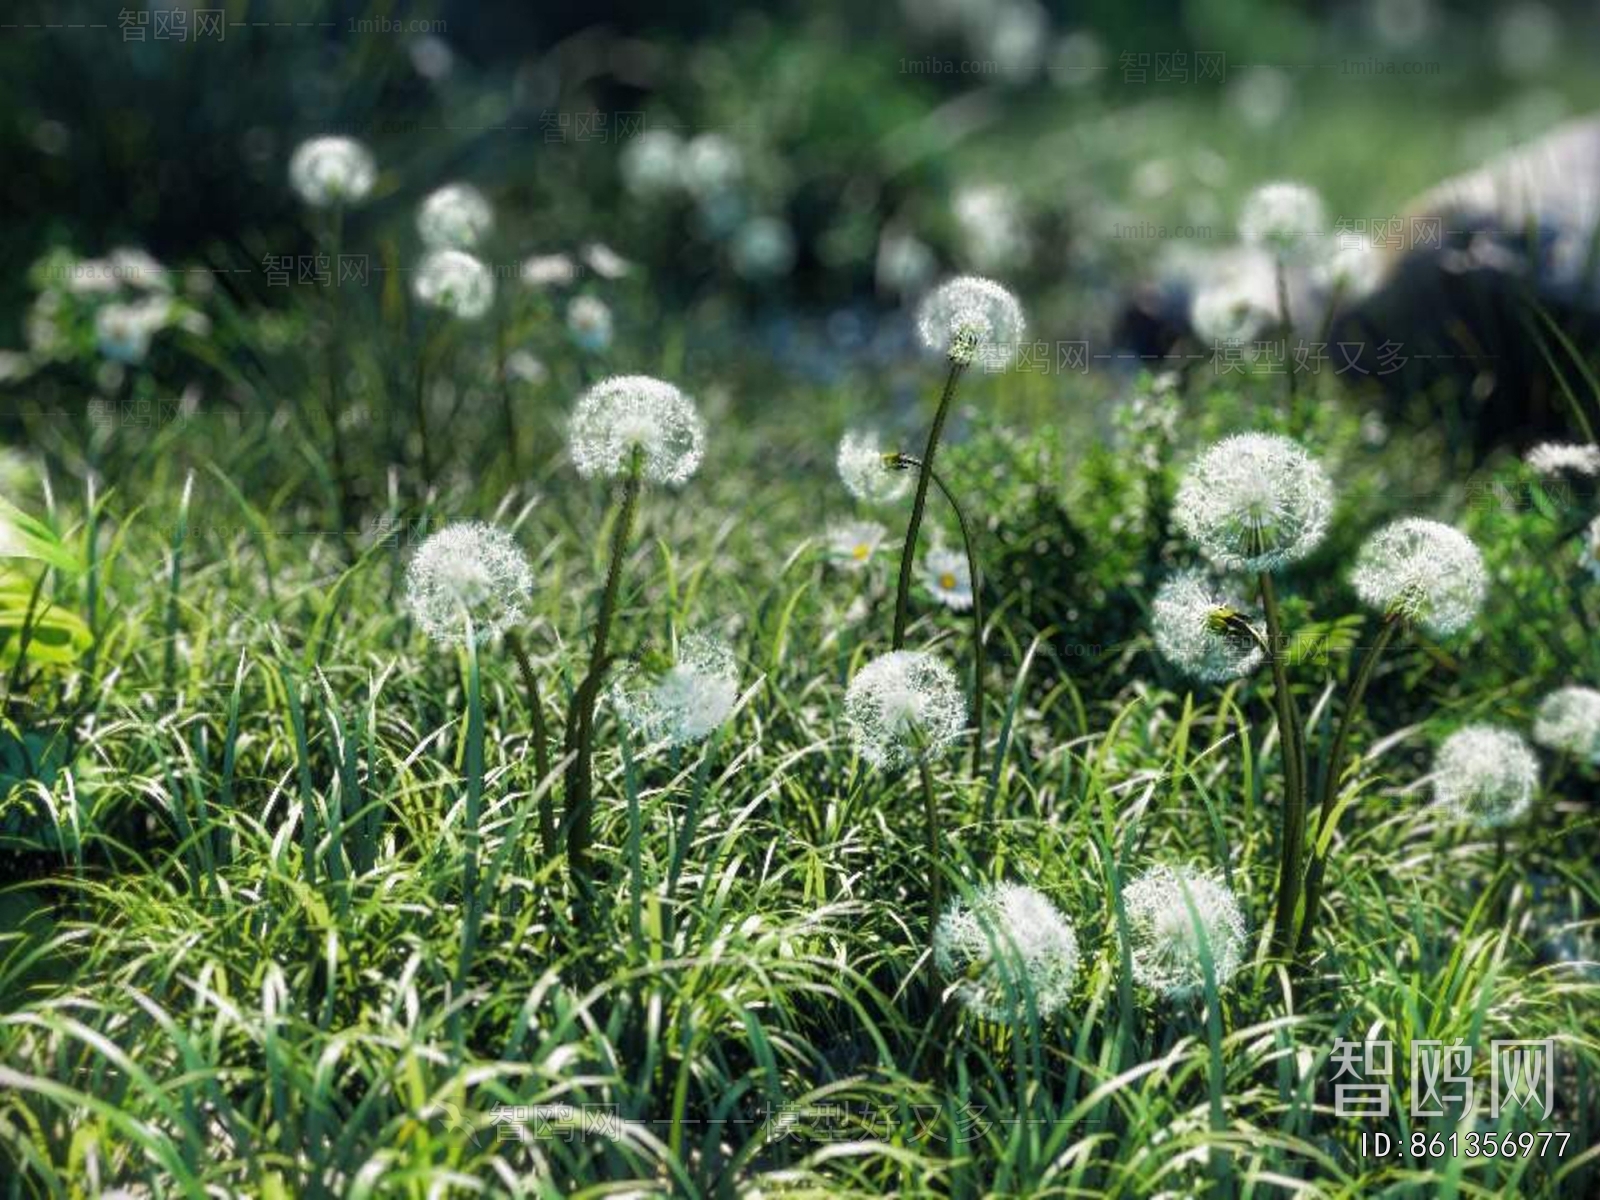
{"points": [[548, 270], [1555, 458], [1254, 502], [902, 705], [1191, 619], [864, 467], [1486, 775], [1423, 571], [589, 322], [972, 321], [1005, 945], [853, 544], [455, 217], [945, 574], [687, 702], [1285, 219], [455, 282], [469, 569], [1568, 720], [1165, 936], [332, 170], [626, 412]]}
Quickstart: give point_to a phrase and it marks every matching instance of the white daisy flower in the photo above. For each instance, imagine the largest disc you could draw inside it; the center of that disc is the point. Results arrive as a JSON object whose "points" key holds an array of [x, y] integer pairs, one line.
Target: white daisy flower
{"points": [[468, 569], [1285, 219], [1254, 502], [1188, 618], [685, 703], [865, 471], [1485, 774], [455, 282], [945, 574], [454, 217], [852, 544], [972, 321], [1555, 458], [625, 412], [1569, 720], [332, 170], [1427, 572], [1004, 946], [902, 705], [1171, 913]]}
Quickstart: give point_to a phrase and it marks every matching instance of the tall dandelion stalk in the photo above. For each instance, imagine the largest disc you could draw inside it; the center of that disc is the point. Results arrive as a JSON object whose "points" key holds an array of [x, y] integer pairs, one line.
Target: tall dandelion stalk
{"points": [[1285, 220]]}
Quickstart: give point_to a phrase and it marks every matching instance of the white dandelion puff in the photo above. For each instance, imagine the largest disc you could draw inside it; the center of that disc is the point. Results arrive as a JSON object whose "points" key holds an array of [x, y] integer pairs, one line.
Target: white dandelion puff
{"points": [[1424, 571], [326, 171], [1254, 502], [469, 569], [590, 324], [628, 412], [1555, 458], [711, 164], [1190, 620], [123, 331], [1006, 944], [652, 163], [686, 702], [852, 544], [866, 471], [456, 217], [945, 574], [901, 705], [1172, 913], [605, 262], [548, 270], [1228, 312], [1486, 775], [1353, 269], [1569, 720], [972, 320], [1284, 219], [454, 282]]}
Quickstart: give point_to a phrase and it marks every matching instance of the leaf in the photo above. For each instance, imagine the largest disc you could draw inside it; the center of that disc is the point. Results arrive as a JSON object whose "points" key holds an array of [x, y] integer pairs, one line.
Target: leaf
{"points": [[56, 635], [22, 536]]}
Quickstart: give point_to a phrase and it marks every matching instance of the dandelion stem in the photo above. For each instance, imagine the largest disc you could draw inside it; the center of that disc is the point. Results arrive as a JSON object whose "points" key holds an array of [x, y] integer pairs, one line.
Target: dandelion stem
{"points": [[1286, 321], [908, 554], [580, 773], [1335, 771], [1294, 793], [474, 806], [420, 401], [541, 740], [930, 807], [334, 394]]}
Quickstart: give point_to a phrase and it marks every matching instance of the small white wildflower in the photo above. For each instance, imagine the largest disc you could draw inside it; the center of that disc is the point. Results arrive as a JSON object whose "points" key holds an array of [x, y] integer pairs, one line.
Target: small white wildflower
{"points": [[901, 705], [652, 163], [605, 262], [1427, 572], [1554, 458], [1589, 556], [1486, 775], [456, 217], [685, 703], [945, 574], [468, 569], [589, 321], [456, 282], [1185, 618], [1254, 502], [972, 320], [1569, 720], [1285, 219], [548, 270], [140, 270], [1006, 945], [123, 331], [1169, 911], [625, 412], [332, 170], [853, 543], [865, 471]]}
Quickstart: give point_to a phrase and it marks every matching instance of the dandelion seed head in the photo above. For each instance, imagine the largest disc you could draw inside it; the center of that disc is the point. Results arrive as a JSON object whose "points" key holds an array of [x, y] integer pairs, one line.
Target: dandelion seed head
{"points": [[652, 163], [1568, 720], [1226, 311], [901, 705], [454, 282], [853, 543], [1189, 636], [1007, 943], [625, 412], [605, 262], [945, 574], [589, 321], [1165, 938], [123, 331], [711, 164], [332, 170], [972, 321], [1254, 502], [468, 569], [685, 703], [866, 471], [1285, 219], [1427, 572], [1486, 775], [454, 217], [1556, 458], [548, 270], [1353, 269]]}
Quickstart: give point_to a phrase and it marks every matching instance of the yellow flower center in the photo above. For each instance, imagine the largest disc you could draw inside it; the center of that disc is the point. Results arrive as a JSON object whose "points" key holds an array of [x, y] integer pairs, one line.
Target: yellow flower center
{"points": [[861, 551], [947, 581]]}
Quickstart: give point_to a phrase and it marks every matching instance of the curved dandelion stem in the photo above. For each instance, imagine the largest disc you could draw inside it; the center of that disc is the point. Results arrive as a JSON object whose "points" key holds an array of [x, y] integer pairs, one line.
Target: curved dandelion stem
{"points": [[580, 773], [930, 806], [1292, 836], [1335, 770], [908, 554]]}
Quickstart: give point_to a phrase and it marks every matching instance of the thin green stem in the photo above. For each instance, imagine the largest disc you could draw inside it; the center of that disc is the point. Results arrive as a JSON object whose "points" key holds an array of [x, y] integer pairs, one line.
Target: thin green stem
{"points": [[541, 740], [420, 400], [908, 554], [335, 396], [1286, 320], [474, 814], [1334, 775], [930, 806], [1294, 790]]}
